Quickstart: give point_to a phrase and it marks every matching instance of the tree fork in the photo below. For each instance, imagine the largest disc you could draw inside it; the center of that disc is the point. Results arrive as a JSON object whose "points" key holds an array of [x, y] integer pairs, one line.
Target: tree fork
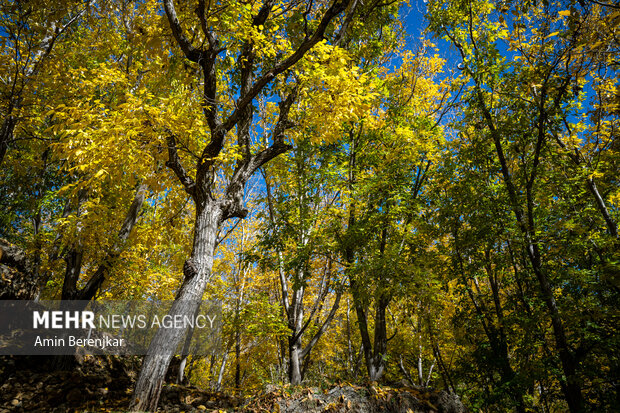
{"points": [[211, 212]]}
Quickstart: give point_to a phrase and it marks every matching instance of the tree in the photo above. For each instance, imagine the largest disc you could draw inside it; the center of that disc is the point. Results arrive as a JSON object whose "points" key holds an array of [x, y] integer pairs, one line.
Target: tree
{"points": [[298, 207], [255, 69], [30, 32], [522, 103], [387, 162]]}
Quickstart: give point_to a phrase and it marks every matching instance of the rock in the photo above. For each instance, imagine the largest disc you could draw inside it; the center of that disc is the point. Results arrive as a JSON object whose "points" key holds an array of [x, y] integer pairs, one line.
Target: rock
{"points": [[101, 391], [74, 396], [269, 388], [16, 276], [449, 403], [187, 407], [353, 399]]}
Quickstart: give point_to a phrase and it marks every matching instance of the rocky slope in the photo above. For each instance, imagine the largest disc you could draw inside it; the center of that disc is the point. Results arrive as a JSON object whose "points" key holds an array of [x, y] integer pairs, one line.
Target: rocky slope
{"points": [[104, 384], [358, 399]]}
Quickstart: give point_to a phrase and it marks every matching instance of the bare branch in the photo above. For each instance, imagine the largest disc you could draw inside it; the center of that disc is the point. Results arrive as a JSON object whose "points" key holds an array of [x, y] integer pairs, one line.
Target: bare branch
{"points": [[174, 163], [191, 52]]}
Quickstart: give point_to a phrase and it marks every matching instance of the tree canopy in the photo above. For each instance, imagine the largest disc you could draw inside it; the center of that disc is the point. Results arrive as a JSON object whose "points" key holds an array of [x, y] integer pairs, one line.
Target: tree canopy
{"points": [[367, 200]]}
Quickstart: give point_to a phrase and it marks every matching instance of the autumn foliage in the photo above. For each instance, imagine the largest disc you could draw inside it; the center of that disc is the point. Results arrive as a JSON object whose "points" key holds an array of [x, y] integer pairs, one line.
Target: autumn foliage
{"points": [[367, 205]]}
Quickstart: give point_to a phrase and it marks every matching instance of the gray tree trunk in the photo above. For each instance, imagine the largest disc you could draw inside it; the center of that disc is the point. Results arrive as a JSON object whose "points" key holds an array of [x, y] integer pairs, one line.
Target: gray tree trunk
{"points": [[220, 376], [197, 273], [185, 352], [181, 374], [294, 367]]}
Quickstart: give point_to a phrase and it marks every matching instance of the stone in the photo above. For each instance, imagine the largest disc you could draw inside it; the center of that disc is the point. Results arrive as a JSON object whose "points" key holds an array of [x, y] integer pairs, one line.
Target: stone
{"points": [[449, 403], [74, 396]]}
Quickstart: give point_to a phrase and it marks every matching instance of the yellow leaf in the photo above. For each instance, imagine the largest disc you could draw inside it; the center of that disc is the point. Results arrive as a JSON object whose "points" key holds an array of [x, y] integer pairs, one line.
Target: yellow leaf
{"points": [[564, 13]]}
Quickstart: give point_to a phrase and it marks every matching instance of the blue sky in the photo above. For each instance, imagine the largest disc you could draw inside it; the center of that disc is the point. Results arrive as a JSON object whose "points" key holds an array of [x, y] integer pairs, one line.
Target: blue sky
{"points": [[415, 24]]}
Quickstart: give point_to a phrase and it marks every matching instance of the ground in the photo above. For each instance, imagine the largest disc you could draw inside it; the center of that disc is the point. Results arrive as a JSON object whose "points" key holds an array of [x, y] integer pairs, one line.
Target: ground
{"points": [[105, 383]]}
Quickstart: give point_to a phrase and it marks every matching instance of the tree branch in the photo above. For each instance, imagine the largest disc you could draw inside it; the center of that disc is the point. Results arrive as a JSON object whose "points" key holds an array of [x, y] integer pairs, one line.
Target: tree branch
{"points": [[348, 19], [205, 28], [95, 281], [174, 163], [328, 320], [191, 52], [335, 9]]}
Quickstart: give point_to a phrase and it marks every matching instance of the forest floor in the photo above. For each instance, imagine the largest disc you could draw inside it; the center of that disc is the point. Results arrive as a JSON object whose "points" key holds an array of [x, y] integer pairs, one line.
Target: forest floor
{"points": [[104, 384]]}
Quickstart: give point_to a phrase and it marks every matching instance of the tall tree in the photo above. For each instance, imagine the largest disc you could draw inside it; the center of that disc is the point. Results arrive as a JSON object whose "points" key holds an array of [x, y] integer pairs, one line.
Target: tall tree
{"points": [[386, 162], [299, 203], [30, 32], [522, 103], [257, 66]]}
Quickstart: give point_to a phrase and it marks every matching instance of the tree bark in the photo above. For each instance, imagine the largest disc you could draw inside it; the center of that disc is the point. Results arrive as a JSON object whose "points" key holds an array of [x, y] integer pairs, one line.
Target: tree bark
{"points": [[294, 366], [295, 321], [220, 375], [197, 273], [185, 351], [6, 134]]}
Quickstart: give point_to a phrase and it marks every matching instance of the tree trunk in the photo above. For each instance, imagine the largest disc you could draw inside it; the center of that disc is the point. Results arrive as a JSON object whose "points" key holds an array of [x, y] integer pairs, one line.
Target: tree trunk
{"points": [[220, 376], [294, 367], [373, 355], [6, 134], [296, 318], [377, 367], [420, 361], [349, 342], [238, 359], [185, 352], [197, 273], [181, 374]]}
